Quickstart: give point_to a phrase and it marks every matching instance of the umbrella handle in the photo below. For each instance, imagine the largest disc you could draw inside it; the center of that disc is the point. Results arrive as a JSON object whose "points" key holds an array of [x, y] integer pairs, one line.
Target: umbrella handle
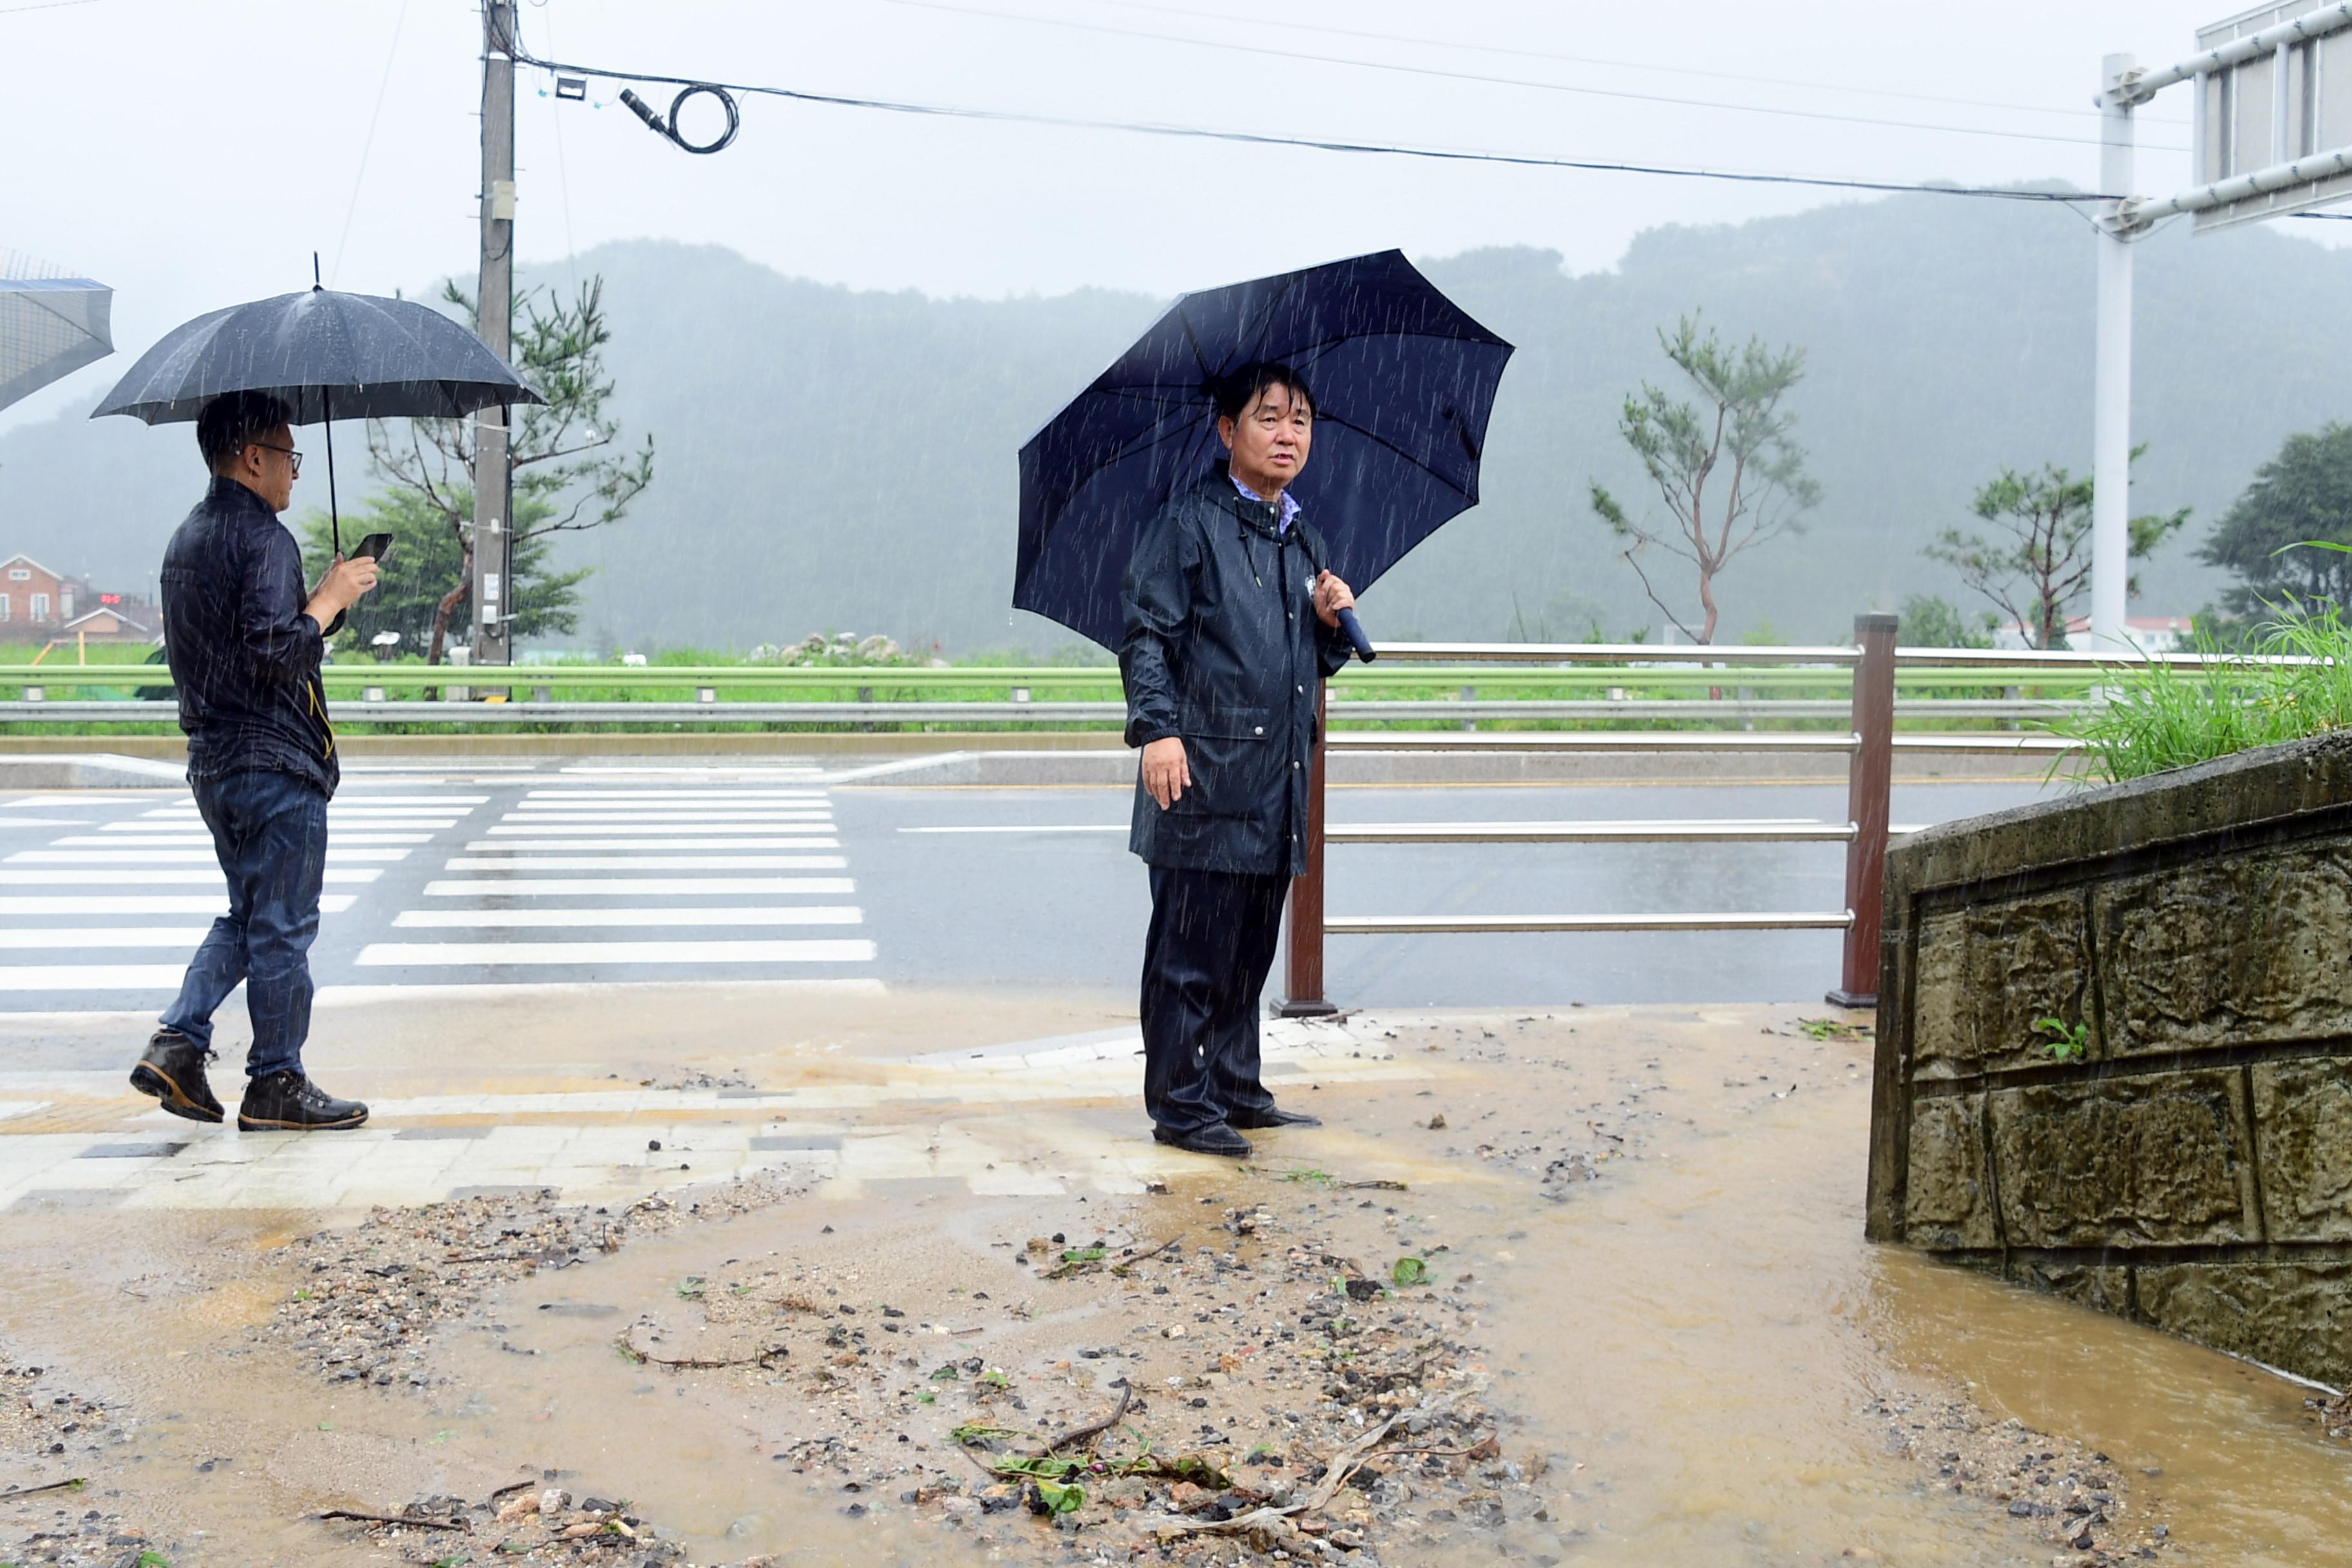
{"points": [[1355, 635]]}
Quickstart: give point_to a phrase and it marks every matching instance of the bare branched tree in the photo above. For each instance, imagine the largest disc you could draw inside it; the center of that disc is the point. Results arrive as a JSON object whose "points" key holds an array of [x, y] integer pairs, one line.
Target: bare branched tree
{"points": [[2037, 562], [569, 472], [1725, 466]]}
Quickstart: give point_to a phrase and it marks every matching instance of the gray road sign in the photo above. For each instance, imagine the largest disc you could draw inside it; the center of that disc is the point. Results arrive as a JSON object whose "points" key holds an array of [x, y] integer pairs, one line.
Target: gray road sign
{"points": [[2273, 113]]}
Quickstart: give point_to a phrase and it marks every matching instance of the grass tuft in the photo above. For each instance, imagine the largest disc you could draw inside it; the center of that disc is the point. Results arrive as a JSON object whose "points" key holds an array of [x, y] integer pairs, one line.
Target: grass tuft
{"points": [[2157, 717]]}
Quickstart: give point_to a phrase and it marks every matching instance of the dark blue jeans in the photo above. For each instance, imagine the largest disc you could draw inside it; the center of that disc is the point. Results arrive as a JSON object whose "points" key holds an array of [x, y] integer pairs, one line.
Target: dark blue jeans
{"points": [[1205, 959], [269, 830]]}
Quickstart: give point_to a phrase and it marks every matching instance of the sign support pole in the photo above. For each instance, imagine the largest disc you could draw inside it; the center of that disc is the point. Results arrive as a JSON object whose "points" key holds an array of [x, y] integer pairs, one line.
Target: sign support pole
{"points": [[2111, 396]]}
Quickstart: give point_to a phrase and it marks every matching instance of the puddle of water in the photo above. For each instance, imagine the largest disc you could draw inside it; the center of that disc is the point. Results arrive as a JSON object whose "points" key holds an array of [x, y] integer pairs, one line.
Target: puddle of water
{"points": [[2244, 1470], [1701, 1330], [228, 1450]]}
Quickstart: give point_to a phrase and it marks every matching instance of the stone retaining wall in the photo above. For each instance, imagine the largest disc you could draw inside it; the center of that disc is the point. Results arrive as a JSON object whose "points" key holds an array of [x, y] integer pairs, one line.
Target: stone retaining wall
{"points": [[2192, 1168]]}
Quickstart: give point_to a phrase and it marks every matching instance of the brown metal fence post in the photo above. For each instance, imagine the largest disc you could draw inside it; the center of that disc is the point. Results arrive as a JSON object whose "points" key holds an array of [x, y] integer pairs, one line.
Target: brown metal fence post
{"points": [[1302, 990], [1869, 778]]}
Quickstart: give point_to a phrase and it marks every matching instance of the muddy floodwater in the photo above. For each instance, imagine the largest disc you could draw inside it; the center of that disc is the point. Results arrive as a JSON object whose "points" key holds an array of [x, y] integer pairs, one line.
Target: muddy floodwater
{"points": [[1642, 1303]]}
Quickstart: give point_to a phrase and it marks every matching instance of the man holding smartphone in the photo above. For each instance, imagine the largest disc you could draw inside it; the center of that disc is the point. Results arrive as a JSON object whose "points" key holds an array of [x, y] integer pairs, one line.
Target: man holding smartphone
{"points": [[245, 639]]}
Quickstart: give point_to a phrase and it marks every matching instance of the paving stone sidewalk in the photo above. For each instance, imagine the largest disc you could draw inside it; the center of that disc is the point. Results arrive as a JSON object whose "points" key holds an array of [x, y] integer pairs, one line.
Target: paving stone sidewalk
{"points": [[1037, 1117]]}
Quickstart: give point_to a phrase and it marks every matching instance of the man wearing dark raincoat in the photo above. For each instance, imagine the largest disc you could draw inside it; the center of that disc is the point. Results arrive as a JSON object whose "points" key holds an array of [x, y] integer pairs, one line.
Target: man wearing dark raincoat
{"points": [[1231, 627]]}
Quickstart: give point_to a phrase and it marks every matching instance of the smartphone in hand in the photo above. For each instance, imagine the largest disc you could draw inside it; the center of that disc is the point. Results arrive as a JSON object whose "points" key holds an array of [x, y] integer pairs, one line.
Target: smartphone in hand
{"points": [[375, 546]]}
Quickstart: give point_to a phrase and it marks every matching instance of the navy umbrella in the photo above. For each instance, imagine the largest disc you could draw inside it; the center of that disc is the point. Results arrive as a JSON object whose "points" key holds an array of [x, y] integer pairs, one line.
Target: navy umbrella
{"points": [[1402, 381], [324, 354]]}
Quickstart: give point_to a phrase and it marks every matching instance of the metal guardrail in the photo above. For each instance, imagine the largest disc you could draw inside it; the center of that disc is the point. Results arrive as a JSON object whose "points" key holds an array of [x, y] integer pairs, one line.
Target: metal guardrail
{"points": [[1624, 680], [720, 711], [1698, 831], [1869, 744], [1403, 925]]}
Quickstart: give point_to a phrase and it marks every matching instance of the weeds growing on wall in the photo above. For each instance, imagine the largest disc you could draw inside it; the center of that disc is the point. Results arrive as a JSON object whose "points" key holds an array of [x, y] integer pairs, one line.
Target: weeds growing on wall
{"points": [[2160, 717]]}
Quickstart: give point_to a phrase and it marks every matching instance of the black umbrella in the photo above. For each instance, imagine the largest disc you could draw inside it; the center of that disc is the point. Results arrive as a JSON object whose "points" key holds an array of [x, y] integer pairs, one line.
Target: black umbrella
{"points": [[1403, 382], [323, 354]]}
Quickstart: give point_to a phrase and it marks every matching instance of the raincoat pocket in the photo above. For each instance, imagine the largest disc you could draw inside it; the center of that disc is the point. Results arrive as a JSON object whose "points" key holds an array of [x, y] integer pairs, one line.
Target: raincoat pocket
{"points": [[1231, 766]]}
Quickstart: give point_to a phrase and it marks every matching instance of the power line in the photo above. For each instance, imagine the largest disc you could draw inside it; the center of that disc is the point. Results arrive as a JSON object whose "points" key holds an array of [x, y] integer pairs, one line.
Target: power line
{"points": [[391, 53], [44, 5], [1429, 42], [1321, 144], [1270, 52], [563, 168]]}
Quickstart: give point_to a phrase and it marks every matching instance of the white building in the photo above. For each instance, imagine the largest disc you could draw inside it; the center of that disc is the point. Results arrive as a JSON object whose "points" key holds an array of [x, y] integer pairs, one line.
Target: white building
{"points": [[2149, 634]]}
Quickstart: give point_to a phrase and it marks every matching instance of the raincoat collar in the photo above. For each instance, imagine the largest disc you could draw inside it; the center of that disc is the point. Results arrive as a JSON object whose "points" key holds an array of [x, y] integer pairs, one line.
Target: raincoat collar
{"points": [[1229, 494]]}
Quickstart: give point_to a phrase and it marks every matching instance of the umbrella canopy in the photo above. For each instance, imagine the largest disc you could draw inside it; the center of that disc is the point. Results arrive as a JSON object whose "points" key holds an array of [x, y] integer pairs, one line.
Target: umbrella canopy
{"points": [[323, 354], [1403, 382], [327, 355], [50, 327]]}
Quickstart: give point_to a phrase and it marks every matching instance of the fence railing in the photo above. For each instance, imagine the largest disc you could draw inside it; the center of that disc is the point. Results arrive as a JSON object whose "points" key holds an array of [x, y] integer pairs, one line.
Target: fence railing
{"points": [[1877, 669], [1728, 695]]}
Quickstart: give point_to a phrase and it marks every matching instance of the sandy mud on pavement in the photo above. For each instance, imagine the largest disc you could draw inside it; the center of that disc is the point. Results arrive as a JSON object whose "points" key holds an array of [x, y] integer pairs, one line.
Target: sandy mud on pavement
{"points": [[1578, 1287]]}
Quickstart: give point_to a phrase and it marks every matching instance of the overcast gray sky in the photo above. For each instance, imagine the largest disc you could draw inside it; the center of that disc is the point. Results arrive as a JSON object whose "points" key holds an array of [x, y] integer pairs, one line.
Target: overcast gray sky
{"points": [[194, 154]]}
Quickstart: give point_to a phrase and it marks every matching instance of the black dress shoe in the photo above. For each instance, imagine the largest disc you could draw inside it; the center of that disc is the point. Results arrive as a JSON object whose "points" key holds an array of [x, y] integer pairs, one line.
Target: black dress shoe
{"points": [[289, 1102], [1273, 1115], [1215, 1139], [173, 1071]]}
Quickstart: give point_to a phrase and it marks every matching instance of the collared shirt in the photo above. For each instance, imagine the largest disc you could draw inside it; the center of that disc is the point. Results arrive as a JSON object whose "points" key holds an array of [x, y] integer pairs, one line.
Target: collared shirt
{"points": [[1290, 505], [244, 657]]}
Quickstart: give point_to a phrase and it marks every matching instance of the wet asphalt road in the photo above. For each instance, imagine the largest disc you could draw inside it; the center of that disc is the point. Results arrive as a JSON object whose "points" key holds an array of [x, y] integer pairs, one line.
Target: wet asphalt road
{"points": [[534, 876], [1067, 909]]}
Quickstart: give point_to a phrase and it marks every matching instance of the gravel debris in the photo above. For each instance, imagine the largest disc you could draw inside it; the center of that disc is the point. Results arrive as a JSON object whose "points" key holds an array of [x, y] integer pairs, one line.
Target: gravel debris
{"points": [[2055, 1489], [1252, 1387], [54, 1439], [372, 1294]]}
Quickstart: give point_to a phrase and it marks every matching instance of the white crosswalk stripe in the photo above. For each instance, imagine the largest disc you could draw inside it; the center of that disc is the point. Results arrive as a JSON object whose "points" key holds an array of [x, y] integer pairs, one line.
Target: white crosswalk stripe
{"points": [[501, 953], [645, 887], [141, 903], [630, 915], [180, 837], [623, 843], [112, 877], [542, 827], [669, 814], [87, 977], [509, 846], [625, 876], [655, 862], [146, 857], [162, 859], [101, 936]]}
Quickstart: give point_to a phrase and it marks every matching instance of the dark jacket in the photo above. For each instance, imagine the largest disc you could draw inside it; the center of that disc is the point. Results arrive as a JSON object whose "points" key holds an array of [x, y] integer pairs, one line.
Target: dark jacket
{"points": [[1222, 649], [242, 654]]}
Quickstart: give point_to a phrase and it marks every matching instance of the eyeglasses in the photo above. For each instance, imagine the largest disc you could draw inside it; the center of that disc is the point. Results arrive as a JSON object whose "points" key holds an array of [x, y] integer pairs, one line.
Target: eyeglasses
{"points": [[293, 457]]}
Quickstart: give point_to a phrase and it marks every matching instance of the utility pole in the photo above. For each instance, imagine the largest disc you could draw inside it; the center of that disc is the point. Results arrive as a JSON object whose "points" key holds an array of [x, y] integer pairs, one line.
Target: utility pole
{"points": [[493, 480], [2111, 395]]}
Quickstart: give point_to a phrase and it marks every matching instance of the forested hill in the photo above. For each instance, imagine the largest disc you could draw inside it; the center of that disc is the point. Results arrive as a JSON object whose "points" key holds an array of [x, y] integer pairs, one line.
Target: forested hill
{"points": [[845, 460]]}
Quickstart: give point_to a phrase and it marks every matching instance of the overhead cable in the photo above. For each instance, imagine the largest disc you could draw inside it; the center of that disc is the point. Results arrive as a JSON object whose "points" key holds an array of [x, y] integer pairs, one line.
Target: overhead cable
{"points": [[1425, 40], [1312, 143], [1272, 52]]}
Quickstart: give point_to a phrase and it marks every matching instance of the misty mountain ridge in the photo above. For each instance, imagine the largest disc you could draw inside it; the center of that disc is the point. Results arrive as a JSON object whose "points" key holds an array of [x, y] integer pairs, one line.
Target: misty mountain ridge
{"points": [[839, 459]]}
